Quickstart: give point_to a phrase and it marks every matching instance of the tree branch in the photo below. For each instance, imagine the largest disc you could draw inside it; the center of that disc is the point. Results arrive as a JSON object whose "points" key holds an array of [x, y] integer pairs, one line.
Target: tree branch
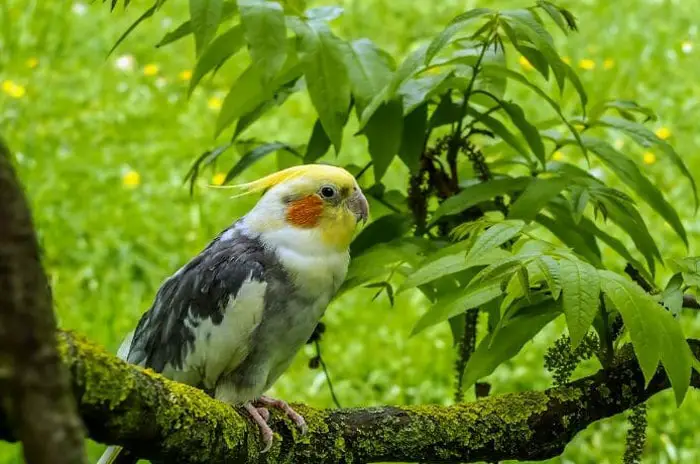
{"points": [[36, 395], [160, 419]]}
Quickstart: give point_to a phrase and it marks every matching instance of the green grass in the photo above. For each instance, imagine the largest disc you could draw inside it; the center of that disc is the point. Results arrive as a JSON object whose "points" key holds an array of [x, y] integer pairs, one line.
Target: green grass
{"points": [[80, 126]]}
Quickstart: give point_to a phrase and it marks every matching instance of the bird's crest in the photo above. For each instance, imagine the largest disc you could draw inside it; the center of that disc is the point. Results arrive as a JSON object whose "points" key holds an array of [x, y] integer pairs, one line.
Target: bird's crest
{"points": [[320, 171]]}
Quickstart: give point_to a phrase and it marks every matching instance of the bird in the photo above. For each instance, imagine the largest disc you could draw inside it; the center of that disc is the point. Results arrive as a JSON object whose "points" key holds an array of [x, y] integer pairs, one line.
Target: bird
{"points": [[231, 320]]}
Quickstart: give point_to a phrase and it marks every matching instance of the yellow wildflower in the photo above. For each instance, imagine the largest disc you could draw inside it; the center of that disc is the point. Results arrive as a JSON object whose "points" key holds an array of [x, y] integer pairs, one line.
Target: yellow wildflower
{"points": [[586, 64], [557, 156], [185, 75], [566, 59], [150, 70], [649, 158], [218, 178], [32, 63], [12, 89], [525, 63], [663, 133], [214, 103], [131, 179], [609, 63]]}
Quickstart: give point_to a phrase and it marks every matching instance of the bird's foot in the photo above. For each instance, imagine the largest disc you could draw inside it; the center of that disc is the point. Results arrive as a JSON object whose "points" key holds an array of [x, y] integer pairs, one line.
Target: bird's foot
{"points": [[266, 401], [260, 416]]}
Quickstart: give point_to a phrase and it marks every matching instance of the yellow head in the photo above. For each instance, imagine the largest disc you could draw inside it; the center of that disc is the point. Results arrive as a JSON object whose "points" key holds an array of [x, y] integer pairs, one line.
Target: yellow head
{"points": [[313, 203]]}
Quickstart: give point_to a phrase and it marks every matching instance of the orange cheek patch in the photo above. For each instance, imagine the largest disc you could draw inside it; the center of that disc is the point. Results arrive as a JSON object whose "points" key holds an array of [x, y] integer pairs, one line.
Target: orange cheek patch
{"points": [[305, 212]]}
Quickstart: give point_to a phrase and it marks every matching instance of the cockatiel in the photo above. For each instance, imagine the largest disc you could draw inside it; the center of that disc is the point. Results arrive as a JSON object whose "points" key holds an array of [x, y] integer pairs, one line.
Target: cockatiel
{"points": [[231, 320]]}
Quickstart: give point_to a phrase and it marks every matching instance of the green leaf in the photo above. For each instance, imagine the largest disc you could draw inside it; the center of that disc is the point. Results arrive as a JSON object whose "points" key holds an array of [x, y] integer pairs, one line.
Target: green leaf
{"points": [[584, 245], [229, 10], [646, 138], [530, 132], [655, 334], [205, 16], [266, 34], [419, 90], [384, 133], [324, 63], [516, 76], [580, 297], [447, 112], [450, 264], [552, 274], [672, 296], [629, 173], [554, 12], [453, 28], [384, 229], [478, 193], [624, 108], [524, 22], [500, 130], [537, 194], [413, 137], [324, 13], [254, 155], [454, 304], [247, 93], [507, 341], [277, 99], [369, 70], [216, 53], [493, 237], [318, 145]]}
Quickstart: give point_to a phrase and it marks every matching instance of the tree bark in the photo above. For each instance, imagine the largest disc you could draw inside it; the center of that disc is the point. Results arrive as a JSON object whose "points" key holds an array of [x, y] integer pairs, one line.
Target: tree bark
{"points": [[163, 420], [34, 385]]}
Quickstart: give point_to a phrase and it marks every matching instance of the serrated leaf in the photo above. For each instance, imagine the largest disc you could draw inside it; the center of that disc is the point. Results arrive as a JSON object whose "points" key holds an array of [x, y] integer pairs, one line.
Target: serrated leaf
{"points": [[457, 24], [478, 193], [318, 145], [656, 335], [537, 194], [516, 76], [629, 173], [580, 296], [384, 132], [384, 229], [229, 10], [506, 342], [500, 130], [417, 91], [530, 132], [255, 155], [369, 70], [146, 14], [205, 16], [324, 62], [646, 138], [552, 274], [413, 137], [450, 264], [584, 245], [493, 237], [216, 53], [247, 93], [457, 303], [266, 34], [525, 22], [554, 13]]}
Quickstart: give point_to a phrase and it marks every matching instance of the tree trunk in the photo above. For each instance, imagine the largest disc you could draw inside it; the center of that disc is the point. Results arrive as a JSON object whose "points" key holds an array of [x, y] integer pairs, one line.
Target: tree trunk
{"points": [[34, 387]]}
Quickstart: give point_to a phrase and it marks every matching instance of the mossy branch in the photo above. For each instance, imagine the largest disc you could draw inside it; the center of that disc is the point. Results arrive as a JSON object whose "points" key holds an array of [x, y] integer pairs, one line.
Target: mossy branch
{"points": [[160, 419]]}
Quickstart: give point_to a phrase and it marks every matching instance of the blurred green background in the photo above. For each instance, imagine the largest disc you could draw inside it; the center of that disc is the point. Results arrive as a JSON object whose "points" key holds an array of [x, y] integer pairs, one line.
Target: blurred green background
{"points": [[103, 144]]}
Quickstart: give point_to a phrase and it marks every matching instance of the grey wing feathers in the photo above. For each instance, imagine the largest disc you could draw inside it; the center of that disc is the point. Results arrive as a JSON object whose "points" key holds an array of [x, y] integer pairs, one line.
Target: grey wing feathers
{"points": [[200, 290]]}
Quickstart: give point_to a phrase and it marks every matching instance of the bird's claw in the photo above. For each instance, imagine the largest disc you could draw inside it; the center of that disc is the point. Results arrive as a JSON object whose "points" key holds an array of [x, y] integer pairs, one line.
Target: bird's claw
{"points": [[287, 409], [260, 416]]}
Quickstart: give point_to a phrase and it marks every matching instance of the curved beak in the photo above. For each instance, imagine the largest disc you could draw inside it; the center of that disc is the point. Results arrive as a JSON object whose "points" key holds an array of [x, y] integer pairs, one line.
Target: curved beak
{"points": [[357, 204]]}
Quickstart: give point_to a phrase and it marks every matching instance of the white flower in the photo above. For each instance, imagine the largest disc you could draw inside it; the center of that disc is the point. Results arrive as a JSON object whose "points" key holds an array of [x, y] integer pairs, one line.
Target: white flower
{"points": [[79, 8], [687, 46], [124, 63]]}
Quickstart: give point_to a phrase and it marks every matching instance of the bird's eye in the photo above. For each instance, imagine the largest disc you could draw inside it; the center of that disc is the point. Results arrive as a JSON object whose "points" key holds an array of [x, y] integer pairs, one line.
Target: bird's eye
{"points": [[328, 192]]}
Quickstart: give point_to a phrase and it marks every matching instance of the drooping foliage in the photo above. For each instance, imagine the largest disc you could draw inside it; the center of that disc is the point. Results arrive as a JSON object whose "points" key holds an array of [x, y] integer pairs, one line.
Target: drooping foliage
{"points": [[490, 217]]}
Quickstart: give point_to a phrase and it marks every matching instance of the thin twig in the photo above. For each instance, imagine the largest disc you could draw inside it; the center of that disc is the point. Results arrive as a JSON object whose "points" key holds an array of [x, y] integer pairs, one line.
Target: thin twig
{"points": [[325, 372]]}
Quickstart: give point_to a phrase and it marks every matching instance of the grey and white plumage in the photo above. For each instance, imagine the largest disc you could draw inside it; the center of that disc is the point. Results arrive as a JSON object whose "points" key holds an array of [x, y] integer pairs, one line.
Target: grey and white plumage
{"points": [[231, 320]]}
